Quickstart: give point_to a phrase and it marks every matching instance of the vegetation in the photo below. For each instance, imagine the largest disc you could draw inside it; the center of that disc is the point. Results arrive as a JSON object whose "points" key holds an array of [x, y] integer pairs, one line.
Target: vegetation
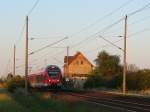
{"points": [[139, 80], [42, 102], [94, 80], [107, 64], [108, 74], [1, 83], [14, 83]]}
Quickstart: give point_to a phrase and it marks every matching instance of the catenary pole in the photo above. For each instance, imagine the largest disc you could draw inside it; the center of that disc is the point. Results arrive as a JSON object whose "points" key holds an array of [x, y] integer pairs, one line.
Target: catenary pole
{"points": [[14, 63], [67, 61], [125, 62], [26, 56]]}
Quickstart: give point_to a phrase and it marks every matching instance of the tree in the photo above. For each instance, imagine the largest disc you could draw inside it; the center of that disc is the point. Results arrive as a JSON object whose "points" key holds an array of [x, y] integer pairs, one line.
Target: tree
{"points": [[108, 65], [139, 80], [94, 80], [1, 80], [132, 68], [9, 76], [14, 83]]}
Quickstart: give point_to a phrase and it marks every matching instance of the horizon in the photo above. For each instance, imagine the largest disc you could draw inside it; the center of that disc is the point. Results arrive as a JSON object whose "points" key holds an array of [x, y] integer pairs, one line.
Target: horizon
{"points": [[82, 22]]}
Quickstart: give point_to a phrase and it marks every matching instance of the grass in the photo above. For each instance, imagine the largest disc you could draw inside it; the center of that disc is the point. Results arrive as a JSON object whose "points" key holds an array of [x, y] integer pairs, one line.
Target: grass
{"points": [[7, 104], [39, 102]]}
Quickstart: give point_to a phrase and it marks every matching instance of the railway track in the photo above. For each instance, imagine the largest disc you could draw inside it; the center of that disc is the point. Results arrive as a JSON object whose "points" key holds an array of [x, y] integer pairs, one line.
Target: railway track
{"points": [[118, 102], [125, 106], [127, 98]]}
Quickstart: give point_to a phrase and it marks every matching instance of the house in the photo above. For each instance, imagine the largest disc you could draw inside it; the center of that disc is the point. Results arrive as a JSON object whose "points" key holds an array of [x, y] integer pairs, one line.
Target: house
{"points": [[78, 65]]}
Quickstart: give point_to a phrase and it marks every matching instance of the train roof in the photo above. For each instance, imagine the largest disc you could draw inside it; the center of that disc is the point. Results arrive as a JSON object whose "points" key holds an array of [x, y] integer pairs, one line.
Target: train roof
{"points": [[45, 68], [52, 66]]}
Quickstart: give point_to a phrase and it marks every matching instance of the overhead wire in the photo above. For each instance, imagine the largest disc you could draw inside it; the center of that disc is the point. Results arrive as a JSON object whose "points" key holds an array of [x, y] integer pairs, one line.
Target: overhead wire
{"points": [[23, 27], [33, 7], [47, 54], [139, 10], [98, 20], [102, 18], [110, 26], [43, 55], [131, 35], [8, 62], [38, 50], [106, 28], [133, 23], [21, 34], [50, 52], [6, 69], [113, 24]]}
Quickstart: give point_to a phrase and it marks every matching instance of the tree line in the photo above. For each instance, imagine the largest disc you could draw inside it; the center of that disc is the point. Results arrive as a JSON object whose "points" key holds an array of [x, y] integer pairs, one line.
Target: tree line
{"points": [[108, 73]]}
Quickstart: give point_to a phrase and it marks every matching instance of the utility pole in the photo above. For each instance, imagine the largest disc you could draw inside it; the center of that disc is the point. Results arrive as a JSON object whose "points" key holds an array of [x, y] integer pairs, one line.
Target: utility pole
{"points": [[125, 63], [14, 64], [67, 61], [26, 57]]}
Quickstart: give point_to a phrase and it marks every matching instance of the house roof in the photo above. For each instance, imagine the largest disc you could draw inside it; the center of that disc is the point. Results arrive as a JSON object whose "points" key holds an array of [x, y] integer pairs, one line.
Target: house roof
{"points": [[69, 58], [72, 58]]}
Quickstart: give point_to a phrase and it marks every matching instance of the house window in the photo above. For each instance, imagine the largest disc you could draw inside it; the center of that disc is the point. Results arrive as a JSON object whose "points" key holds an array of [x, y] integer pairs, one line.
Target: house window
{"points": [[77, 62], [81, 62]]}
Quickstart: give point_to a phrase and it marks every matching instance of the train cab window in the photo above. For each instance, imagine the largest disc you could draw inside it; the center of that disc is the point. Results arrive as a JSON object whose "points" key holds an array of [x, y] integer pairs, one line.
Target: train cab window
{"points": [[52, 73]]}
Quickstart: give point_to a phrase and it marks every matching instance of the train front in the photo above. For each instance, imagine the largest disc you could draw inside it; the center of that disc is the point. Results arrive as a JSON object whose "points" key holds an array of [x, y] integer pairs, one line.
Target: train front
{"points": [[54, 76]]}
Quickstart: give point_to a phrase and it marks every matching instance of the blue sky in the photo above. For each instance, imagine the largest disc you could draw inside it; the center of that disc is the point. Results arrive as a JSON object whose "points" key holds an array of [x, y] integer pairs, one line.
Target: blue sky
{"points": [[52, 20]]}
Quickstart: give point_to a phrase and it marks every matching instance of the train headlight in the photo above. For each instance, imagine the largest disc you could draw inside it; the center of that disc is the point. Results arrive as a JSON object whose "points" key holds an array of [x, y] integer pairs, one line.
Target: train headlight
{"points": [[57, 80]]}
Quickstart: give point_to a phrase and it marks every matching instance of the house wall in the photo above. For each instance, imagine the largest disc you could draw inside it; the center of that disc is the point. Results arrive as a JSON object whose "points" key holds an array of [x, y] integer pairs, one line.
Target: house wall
{"points": [[79, 66]]}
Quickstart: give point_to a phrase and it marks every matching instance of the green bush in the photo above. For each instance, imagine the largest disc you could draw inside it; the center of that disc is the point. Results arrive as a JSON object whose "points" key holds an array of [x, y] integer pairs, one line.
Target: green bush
{"points": [[114, 82], [139, 80], [15, 82], [93, 81]]}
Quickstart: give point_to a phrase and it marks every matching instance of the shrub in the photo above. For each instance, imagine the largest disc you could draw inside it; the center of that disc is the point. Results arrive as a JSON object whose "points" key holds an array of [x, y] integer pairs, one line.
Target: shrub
{"points": [[94, 81], [114, 82], [15, 82], [139, 80]]}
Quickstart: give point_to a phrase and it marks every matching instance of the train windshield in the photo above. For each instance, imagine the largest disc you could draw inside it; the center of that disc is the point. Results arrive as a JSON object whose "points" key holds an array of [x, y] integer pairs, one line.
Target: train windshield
{"points": [[53, 71]]}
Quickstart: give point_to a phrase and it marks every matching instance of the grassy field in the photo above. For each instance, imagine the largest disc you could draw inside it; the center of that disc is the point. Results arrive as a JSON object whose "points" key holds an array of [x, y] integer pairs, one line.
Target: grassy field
{"points": [[39, 102]]}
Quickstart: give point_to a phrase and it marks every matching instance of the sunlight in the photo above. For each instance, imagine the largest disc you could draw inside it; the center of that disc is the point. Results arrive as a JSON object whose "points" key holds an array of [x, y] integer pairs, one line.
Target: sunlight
{"points": [[4, 97]]}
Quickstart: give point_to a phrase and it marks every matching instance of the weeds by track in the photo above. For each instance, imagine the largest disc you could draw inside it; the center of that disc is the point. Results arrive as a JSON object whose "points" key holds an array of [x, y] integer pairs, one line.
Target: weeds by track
{"points": [[114, 101], [119, 102]]}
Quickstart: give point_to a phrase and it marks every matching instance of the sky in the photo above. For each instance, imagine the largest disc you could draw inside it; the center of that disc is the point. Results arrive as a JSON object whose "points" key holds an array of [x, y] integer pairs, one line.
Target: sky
{"points": [[82, 21]]}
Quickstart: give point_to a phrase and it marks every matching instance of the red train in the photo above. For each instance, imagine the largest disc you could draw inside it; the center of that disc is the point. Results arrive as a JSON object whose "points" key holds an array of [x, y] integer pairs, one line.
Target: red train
{"points": [[51, 76]]}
